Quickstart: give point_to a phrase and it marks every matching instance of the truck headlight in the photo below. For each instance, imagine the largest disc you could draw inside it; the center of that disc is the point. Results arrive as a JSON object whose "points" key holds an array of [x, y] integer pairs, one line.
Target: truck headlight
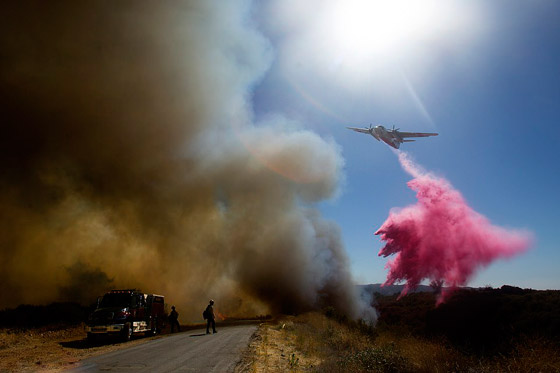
{"points": [[122, 315]]}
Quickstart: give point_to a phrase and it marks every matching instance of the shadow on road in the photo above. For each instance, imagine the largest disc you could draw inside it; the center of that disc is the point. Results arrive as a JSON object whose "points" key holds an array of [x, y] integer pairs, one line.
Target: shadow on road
{"points": [[82, 344], [79, 344]]}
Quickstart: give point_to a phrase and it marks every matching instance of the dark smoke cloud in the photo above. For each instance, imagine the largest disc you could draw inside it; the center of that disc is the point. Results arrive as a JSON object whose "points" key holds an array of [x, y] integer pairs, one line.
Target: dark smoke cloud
{"points": [[83, 282], [129, 153]]}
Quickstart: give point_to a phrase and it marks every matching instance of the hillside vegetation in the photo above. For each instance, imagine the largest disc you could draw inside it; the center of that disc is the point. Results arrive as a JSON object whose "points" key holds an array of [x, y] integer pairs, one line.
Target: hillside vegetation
{"points": [[479, 330], [484, 321]]}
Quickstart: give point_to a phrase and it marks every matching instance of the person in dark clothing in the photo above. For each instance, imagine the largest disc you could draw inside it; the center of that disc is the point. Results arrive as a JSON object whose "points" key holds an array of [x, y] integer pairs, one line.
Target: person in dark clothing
{"points": [[174, 319], [210, 318]]}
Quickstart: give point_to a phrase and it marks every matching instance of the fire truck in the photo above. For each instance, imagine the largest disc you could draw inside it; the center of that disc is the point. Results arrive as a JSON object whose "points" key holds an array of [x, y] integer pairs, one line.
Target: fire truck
{"points": [[126, 312]]}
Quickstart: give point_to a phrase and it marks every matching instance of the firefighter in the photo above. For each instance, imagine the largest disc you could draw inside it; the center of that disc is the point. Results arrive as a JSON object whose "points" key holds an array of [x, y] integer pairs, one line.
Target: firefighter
{"points": [[174, 319], [210, 318]]}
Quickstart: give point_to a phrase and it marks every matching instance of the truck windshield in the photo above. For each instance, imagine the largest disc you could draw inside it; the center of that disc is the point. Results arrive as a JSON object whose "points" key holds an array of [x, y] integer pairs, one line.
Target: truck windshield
{"points": [[115, 300]]}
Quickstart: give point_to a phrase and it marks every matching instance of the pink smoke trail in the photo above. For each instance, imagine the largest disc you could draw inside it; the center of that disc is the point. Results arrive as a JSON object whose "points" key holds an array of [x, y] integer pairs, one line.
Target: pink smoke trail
{"points": [[440, 238]]}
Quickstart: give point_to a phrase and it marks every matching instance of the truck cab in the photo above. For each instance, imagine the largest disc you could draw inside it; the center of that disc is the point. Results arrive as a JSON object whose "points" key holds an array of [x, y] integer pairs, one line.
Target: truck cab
{"points": [[126, 312]]}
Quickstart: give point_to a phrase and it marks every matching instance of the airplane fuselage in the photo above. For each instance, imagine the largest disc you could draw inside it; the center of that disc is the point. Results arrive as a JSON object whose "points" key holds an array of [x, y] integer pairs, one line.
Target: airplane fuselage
{"points": [[390, 138]]}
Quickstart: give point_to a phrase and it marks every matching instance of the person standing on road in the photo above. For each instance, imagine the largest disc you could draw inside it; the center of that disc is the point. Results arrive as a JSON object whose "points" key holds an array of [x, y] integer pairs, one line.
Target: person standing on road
{"points": [[210, 318], [174, 319]]}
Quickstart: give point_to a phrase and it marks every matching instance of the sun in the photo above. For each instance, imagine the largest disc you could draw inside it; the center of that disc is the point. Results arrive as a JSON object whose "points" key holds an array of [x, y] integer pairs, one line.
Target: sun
{"points": [[328, 48], [365, 27]]}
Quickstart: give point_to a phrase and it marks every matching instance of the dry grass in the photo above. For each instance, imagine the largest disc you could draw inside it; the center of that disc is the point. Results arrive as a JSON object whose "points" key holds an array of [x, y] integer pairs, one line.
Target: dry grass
{"points": [[314, 342], [273, 348], [51, 348], [37, 349]]}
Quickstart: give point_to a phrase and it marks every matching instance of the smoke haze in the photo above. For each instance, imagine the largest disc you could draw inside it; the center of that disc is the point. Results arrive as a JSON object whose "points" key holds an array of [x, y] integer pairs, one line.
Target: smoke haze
{"points": [[130, 158], [440, 238]]}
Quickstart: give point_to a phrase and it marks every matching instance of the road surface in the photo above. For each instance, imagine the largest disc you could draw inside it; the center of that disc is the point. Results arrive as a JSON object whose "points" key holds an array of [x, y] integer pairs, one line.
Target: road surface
{"points": [[191, 351]]}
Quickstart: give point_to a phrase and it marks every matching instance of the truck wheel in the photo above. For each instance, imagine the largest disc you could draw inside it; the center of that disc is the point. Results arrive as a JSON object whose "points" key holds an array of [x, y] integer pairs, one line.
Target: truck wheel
{"points": [[127, 332]]}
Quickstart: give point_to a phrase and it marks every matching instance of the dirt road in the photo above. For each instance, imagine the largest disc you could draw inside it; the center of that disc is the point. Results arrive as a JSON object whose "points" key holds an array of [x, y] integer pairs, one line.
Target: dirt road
{"points": [[191, 351]]}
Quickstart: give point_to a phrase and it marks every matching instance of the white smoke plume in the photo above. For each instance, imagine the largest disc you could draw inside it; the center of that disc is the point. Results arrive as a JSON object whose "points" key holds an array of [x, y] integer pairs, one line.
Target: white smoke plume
{"points": [[130, 158]]}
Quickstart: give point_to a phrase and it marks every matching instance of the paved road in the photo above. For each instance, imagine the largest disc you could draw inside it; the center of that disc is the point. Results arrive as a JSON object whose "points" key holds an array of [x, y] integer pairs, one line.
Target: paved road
{"points": [[191, 351]]}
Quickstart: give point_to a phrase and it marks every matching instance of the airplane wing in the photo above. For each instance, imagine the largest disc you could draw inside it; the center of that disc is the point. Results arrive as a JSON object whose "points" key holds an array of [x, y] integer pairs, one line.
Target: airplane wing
{"points": [[362, 130], [416, 134]]}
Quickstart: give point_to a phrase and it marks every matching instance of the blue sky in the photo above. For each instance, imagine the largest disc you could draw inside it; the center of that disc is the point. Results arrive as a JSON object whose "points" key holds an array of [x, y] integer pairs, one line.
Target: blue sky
{"points": [[485, 75]]}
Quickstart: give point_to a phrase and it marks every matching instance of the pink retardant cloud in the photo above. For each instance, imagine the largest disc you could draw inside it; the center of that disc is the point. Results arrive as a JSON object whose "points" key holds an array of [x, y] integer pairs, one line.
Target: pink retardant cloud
{"points": [[440, 238]]}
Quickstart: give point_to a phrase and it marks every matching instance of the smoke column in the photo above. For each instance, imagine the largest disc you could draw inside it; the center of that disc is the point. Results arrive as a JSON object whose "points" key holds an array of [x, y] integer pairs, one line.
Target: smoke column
{"points": [[440, 238], [129, 157]]}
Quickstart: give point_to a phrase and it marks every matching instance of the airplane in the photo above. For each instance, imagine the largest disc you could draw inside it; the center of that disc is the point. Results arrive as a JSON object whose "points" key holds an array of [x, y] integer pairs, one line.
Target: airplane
{"points": [[392, 137]]}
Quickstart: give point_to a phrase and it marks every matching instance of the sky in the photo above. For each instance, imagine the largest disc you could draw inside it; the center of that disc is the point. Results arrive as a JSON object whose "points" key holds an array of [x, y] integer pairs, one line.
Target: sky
{"points": [[199, 149], [484, 75]]}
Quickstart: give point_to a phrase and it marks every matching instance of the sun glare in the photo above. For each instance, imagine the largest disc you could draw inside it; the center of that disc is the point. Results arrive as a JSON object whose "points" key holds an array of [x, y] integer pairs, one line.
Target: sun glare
{"points": [[367, 47], [364, 27]]}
